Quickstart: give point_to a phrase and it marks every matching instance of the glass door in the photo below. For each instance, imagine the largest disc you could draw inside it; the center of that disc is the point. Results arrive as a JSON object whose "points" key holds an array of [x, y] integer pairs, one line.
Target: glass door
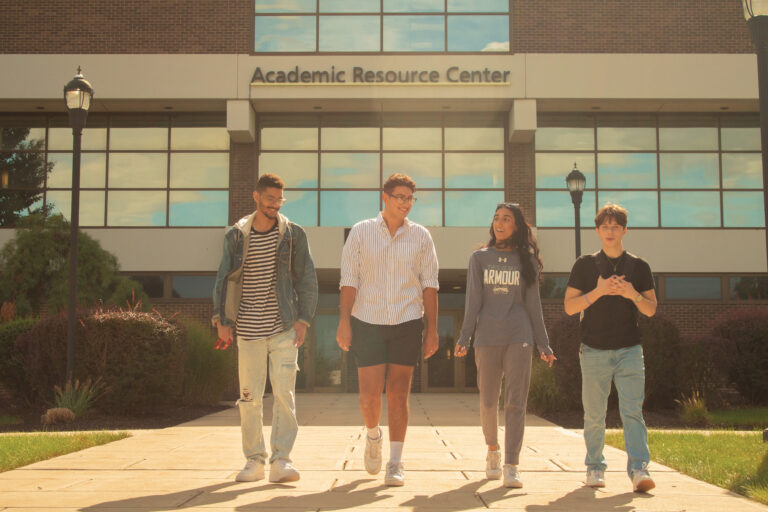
{"points": [[326, 361]]}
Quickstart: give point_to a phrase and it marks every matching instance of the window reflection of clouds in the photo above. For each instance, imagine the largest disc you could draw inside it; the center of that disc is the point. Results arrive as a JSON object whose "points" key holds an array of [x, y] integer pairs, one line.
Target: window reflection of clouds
{"points": [[346, 208], [349, 5], [138, 138], [740, 139], [552, 168], [34, 135], [138, 170], [743, 209], [690, 209], [360, 138], [199, 208], [565, 138], [196, 138], [301, 207], [689, 170], [626, 170], [474, 139], [642, 206], [610, 138], [412, 138], [92, 170], [687, 138], [414, 5], [199, 170], [428, 210], [424, 168], [284, 34], [136, 208], [474, 170], [91, 205], [93, 139], [349, 33], [742, 170], [349, 170], [285, 5], [478, 5], [414, 34], [555, 209], [465, 208], [289, 138], [478, 33], [298, 170]]}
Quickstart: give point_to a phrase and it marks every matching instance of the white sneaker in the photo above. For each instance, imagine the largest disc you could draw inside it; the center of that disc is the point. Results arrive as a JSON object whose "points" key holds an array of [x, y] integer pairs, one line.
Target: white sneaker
{"points": [[281, 470], [372, 456], [493, 465], [641, 480], [395, 476], [595, 478], [253, 470], [512, 477]]}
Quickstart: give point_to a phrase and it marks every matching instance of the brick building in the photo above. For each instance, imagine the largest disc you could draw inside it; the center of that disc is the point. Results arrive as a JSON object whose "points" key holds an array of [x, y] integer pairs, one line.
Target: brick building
{"points": [[481, 101]]}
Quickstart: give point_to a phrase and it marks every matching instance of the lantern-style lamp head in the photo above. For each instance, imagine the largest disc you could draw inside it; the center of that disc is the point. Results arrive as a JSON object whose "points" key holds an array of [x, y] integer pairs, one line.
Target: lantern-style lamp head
{"points": [[78, 94]]}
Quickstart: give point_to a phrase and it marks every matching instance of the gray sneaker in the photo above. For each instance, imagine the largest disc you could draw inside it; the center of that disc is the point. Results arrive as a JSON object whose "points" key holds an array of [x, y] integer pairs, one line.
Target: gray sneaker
{"points": [[512, 477], [253, 471], [395, 476], [372, 456], [493, 465], [595, 478], [641, 480]]}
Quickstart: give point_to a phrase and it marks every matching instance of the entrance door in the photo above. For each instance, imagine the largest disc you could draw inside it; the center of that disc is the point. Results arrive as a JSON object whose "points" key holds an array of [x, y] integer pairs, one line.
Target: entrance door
{"points": [[443, 371], [326, 361]]}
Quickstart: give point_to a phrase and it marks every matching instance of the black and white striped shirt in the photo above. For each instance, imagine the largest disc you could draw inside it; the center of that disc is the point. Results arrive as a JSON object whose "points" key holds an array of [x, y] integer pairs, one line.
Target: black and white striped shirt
{"points": [[259, 316], [390, 273]]}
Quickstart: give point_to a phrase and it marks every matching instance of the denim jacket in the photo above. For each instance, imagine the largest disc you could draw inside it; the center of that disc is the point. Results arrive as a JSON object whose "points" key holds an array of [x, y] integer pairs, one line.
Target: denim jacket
{"points": [[296, 280]]}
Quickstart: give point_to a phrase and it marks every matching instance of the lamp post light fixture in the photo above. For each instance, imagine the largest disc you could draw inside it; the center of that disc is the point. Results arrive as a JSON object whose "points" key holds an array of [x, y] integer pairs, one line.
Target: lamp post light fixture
{"points": [[576, 182], [78, 94]]}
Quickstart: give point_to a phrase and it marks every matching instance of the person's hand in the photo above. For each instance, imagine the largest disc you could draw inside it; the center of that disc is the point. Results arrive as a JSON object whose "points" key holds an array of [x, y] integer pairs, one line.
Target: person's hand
{"points": [[459, 351], [225, 336], [301, 332], [344, 335], [431, 342], [548, 358], [606, 286], [625, 288]]}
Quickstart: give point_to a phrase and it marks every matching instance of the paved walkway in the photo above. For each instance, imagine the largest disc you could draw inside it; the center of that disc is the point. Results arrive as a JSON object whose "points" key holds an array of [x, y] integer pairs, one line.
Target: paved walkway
{"points": [[191, 467]]}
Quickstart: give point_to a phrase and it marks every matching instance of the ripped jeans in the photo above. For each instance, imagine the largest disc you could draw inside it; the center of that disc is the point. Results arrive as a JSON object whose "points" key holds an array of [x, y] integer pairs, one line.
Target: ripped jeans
{"points": [[253, 356]]}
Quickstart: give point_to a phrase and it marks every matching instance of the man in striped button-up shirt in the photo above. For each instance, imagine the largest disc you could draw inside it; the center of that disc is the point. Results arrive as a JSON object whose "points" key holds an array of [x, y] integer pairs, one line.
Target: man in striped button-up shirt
{"points": [[388, 283]]}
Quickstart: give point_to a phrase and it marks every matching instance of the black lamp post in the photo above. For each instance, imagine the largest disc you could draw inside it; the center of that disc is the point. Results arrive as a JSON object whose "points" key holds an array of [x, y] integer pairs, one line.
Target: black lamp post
{"points": [[576, 182], [77, 94]]}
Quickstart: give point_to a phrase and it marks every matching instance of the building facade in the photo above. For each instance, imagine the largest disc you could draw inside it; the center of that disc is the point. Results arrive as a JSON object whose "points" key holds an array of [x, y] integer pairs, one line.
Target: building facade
{"points": [[480, 101]]}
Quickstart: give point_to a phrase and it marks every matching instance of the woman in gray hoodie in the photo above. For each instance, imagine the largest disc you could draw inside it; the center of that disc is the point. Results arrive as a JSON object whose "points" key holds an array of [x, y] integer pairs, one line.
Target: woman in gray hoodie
{"points": [[503, 319]]}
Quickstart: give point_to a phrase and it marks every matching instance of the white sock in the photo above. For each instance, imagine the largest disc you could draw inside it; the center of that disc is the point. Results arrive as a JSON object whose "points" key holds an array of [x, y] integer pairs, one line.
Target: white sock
{"points": [[395, 451], [374, 433]]}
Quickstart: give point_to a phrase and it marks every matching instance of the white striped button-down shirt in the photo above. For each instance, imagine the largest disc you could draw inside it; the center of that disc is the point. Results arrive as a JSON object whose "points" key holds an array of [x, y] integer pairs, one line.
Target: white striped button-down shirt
{"points": [[389, 273]]}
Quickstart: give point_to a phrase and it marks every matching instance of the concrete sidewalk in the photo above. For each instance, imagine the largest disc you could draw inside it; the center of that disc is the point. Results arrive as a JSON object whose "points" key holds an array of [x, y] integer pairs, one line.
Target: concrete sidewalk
{"points": [[192, 466]]}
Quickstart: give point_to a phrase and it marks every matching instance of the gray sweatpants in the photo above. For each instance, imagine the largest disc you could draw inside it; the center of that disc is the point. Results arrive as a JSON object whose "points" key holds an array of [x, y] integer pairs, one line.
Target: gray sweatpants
{"points": [[513, 362]]}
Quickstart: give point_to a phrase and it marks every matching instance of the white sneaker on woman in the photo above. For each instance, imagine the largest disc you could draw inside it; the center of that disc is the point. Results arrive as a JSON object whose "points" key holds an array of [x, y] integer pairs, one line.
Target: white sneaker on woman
{"points": [[512, 477], [493, 465]]}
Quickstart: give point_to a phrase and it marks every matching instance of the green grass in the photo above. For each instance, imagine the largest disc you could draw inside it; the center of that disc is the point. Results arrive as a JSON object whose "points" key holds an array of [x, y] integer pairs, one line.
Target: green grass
{"points": [[756, 416], [734, 461], [7, 419], [18, 450]]}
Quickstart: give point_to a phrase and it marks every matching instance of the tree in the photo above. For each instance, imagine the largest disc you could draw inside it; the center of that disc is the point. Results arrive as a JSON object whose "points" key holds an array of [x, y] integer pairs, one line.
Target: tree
{"points": [[26, 169]]}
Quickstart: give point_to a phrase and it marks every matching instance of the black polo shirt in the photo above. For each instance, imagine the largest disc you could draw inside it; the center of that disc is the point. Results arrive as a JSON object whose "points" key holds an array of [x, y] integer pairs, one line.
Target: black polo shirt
{"points": [[610, 322]]}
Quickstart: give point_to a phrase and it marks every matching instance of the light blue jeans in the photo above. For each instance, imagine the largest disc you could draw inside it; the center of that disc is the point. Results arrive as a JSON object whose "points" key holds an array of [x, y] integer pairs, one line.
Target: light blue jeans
{"points": [[626, 368], [278, 352]]}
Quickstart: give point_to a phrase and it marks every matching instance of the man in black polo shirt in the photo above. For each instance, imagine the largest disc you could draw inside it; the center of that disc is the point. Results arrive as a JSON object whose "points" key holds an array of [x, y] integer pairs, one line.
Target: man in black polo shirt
{"points": [[608, 289]]}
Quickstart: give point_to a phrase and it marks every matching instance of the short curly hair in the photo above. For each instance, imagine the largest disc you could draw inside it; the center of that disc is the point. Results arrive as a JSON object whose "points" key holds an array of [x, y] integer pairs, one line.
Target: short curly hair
{"points": [[269, 180], [611, 211], [399, 180]]}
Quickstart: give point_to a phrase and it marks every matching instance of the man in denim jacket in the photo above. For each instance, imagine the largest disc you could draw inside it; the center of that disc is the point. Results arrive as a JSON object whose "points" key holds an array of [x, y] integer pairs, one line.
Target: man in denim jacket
{"points": [[266, 288]]}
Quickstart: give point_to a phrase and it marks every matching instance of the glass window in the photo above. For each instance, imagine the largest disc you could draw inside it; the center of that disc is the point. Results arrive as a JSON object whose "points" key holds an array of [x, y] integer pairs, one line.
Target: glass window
{"points": [[349, 34], [414, 5], [552, 168], [285, 6], [152, 285], [690, 209], [689, 170], [138, 170], [131, 139], [198, 208], [199, 138], [748, 287], [691, 138], [23, 138], [192, 287], [412, 138], [200, 170], [414, 34], [553, 287], [554, 208], [60, 139], [740, 139], [626, 170], [474, 170], [349, 5], [298, 170], [428, 210], [743, 210], [92, 170], [477, 139], [702, 288], [478, 33], [284, 34], [478, 5], [424, 168], [301, 207], [742, 170], [349, 170], [327, 357], [461, 207], [634, 138], [643, 206], [91, 205], [357, 138], [136, 208], [565, 138], [346, 208], [289, 138]]}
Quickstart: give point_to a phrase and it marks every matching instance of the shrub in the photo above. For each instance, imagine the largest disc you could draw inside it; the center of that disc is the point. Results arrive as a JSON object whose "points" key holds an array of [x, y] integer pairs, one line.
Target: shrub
{"points": [[564, 340], [704, 367], [12, 374], [543, 394], [139, 355], [208, 371], [77, 397], [661, 350], [748, 331], [693, 410]]}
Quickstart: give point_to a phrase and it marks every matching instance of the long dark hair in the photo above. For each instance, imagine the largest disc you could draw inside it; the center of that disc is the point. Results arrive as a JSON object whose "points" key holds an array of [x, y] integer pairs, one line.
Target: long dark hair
{"points": [[522, 240]]}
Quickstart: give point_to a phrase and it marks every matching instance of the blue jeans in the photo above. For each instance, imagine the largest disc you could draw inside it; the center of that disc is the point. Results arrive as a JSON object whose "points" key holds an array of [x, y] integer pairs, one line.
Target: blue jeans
{"points": [[253, 356], [626, 368]]}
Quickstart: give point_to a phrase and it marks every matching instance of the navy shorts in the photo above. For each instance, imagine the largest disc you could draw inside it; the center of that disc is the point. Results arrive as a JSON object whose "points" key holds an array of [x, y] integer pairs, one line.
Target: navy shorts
{"points": [[381, 344]]}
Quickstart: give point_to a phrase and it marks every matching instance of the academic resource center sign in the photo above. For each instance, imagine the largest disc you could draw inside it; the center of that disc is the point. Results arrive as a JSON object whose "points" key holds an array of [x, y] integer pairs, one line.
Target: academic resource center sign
{"points": [[361, 76]]}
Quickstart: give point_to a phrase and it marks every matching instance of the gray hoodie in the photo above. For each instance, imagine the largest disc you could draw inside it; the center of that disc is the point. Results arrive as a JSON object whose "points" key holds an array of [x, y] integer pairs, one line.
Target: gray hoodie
{"points": [[501, 308]]}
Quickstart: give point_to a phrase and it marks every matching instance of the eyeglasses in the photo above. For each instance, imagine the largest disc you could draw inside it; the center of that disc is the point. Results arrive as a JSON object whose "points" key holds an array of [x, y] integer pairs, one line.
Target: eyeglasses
{"points": [[403, 199], [508, 205], [274, 200]]}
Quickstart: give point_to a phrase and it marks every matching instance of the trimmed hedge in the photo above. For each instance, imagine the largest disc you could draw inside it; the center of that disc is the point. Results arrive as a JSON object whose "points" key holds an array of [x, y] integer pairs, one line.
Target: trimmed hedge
{"points": [[11, 368], [703, 367], [748, 332]]}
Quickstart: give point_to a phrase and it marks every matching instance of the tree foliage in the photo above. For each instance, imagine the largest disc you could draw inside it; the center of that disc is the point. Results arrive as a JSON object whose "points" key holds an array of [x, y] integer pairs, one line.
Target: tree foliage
{"points": [[26, 169]]}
